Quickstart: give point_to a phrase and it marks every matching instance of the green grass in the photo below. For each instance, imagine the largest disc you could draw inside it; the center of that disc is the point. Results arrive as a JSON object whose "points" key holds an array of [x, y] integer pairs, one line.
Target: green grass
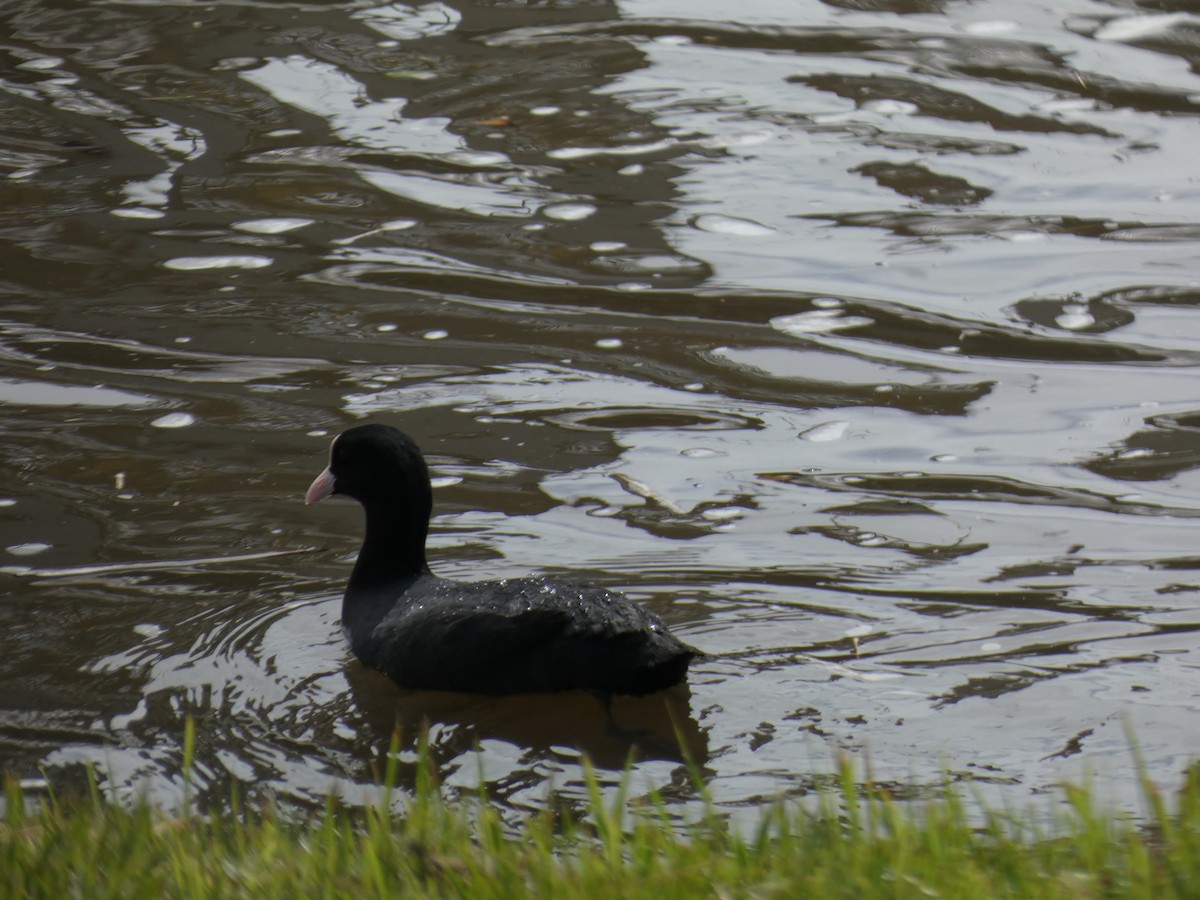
{"points": [[859, 845]]}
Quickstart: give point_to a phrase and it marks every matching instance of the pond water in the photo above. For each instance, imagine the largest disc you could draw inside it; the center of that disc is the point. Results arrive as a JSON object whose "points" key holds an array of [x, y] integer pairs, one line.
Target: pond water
{"points": [[858, 339]]}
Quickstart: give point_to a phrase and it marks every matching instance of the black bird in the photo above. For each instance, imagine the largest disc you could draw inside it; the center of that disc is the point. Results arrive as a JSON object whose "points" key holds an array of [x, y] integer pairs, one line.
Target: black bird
{"points": [[512, 636]]}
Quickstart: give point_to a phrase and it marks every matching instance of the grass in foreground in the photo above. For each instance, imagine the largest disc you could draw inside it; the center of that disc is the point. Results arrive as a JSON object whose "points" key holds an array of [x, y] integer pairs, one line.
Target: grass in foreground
{"points": [[857, 846]]}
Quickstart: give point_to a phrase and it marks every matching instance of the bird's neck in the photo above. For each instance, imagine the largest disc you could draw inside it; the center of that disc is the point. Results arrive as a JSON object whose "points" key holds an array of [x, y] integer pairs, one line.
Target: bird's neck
{"points": [[393, 549]]}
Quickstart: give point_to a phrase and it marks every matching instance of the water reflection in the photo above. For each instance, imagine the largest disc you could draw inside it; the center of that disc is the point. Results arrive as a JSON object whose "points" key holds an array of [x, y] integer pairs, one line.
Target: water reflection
{"points": [[553, 729], [859, 347]]}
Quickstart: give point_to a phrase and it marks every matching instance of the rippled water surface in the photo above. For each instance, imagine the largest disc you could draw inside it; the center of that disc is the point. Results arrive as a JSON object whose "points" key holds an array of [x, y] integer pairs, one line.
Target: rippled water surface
{"points": [[858, 339]]}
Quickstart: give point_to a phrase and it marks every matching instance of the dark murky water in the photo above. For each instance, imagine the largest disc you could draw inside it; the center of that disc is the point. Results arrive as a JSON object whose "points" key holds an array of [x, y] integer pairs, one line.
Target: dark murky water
{"points": [[858, 339]]}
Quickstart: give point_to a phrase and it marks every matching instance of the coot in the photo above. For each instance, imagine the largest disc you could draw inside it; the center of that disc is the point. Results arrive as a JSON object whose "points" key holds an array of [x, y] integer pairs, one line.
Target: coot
{"points": [[521, 635]]}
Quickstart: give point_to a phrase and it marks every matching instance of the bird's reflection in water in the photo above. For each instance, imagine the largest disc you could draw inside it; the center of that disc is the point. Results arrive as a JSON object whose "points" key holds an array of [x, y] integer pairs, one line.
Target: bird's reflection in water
{"points": [[655, 727]]}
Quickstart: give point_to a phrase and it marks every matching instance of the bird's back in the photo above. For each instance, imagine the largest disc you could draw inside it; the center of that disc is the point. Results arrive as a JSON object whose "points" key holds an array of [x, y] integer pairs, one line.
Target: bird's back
{"points": [[514, 636]]}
